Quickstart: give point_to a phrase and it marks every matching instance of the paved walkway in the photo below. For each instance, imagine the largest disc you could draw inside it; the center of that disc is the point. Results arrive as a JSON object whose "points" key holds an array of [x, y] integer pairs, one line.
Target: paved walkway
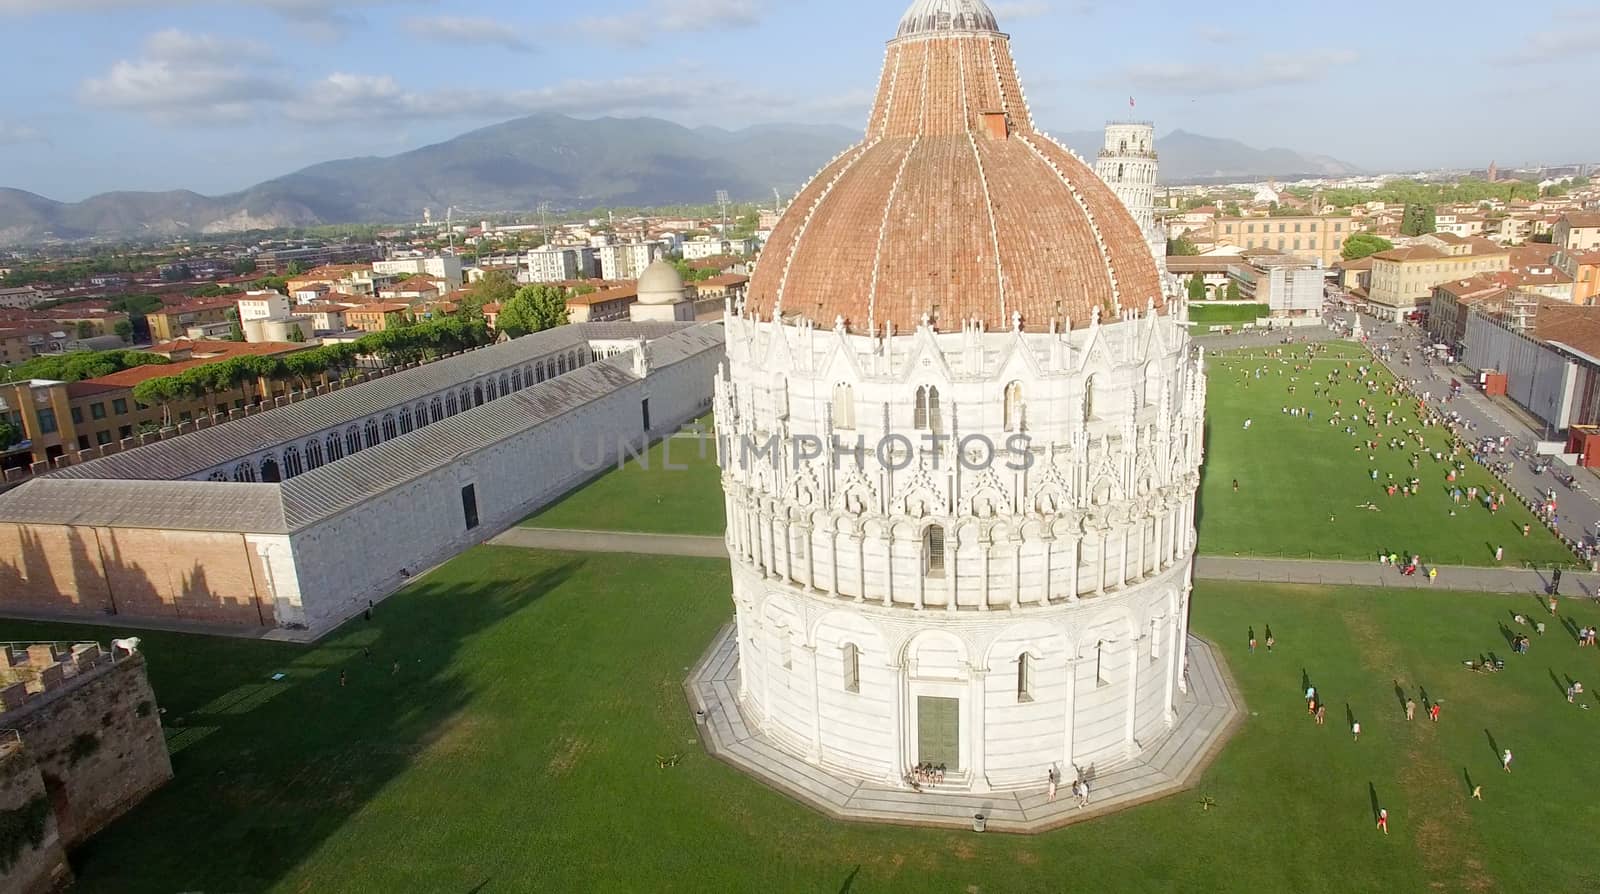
{"points": [[1221, 568], [1204, 718]]}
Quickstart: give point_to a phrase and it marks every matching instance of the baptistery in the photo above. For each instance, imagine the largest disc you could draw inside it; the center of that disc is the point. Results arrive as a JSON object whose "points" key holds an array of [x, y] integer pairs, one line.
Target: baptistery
{"points": [[960, 431]]}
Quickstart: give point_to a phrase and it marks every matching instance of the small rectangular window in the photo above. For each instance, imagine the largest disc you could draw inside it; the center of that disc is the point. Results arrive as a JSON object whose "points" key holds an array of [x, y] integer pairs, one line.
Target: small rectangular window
{"points": [[119, 406], [644, 410], [852, 668], [102, 438], [1024, 677], [469, 505], [47, 422], [98, 411], [77, 415]]}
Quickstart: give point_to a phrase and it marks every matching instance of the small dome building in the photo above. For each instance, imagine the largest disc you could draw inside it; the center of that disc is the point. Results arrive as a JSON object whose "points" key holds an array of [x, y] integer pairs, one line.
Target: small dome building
{"points": [[960, 431], [661, 294]]}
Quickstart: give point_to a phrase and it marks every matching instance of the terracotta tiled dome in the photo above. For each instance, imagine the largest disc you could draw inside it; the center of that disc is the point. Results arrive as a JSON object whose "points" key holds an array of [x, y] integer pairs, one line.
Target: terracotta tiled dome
{"points": [[954, 206]]}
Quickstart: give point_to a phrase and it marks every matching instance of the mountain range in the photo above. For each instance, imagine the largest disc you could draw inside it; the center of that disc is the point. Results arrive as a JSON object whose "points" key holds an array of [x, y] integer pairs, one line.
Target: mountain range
{"points": [[569, 162]]}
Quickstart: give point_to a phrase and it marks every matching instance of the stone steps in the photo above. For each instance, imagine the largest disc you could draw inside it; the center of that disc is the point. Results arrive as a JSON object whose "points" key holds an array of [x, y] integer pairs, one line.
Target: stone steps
{"points": [[1204, 717]]}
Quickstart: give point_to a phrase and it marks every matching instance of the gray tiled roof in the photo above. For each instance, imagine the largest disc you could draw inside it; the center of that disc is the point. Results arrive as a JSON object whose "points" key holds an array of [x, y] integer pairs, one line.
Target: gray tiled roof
{"points": [[197, 451], [174, 505], [320, 493]]}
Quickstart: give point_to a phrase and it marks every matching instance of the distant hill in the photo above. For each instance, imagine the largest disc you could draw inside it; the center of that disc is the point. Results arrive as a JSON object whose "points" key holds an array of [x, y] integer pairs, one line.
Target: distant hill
{"points": [[1190, 158], [569, 162]]}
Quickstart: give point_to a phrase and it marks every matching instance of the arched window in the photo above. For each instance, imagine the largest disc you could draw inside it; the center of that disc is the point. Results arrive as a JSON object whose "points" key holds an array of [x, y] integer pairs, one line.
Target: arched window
{"points": [[244, 472], [335, 449], [927, 410], [466, 399], [489, 390], [505, 384], [933, 551], [269, 470], [313, 454], [1119, 172], [1024, 677], [292, 463], [852, 667], [1088, 398], [405, 420], [436, 409], [1014, 407], [561, 365], [572, 360], [477, 395], [516, 380], [844, 406], [352, 441], [390, 430], [538, 372], [450, 403], [372, 433]]}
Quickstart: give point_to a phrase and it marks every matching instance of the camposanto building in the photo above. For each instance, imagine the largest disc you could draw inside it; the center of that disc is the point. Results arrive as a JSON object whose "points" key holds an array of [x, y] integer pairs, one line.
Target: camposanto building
{"points": [[960, 430]]}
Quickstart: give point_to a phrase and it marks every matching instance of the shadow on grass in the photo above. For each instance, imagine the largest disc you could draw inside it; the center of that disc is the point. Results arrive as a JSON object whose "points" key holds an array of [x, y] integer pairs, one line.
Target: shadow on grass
{"points": [[1560, 687], [338, 745], [1494, 747], [1467, 775], [1372, 795], [850, 880]]}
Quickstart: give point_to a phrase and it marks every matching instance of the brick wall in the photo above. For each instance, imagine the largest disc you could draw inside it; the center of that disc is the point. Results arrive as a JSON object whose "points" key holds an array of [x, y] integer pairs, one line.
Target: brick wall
{"points": [[37, 869], [174, 575], [92, 726]]}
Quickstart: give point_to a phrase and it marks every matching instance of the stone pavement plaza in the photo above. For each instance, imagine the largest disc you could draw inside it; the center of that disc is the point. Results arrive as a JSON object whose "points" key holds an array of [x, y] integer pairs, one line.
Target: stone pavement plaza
{"points": [[1205, 716]]}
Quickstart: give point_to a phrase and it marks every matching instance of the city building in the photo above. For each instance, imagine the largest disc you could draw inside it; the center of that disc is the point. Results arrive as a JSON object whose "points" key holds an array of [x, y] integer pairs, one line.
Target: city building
{"points": [[599, 306], [1403, 278], [21, 296], [662, 296], [377, 316], [713, 246], [1578, 231], [1584, 268], [1290, 285], [416, 290], [171, 323], [934, 596], [263, 305], [297, 516], [1552, 367], [61, 418], [444, 267], [1452, 301], [560, 263], [1315, 236], [277, 261], [627, 260]]}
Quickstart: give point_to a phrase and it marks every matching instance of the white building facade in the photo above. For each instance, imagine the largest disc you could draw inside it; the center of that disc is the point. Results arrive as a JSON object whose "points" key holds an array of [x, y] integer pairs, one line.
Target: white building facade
{"points": [[560, 263], [1128, 164], [628, 260]]}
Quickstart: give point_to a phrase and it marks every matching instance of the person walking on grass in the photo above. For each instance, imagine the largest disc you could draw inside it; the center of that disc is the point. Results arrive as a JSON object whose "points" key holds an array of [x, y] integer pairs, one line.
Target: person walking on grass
{"points": [[1433, 712], [1477, 793], [1411, 709], [1252, 640], [1433, 574], [1499, 553], [1322, 714], [1505, 761], [1383, 820], [1355, 731]]}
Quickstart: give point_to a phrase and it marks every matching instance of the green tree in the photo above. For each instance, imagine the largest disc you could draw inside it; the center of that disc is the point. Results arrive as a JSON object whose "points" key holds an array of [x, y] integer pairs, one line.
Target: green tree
{"points": [[533, 309], [1182, 246], [10, 433], [294, 268], [235, 331], [158, 392], [297, 335], [1233, 290], [1232, 209], [124, 330], [85, 329], [214, 290], [496, 287], [243, 266], [1359, 245], [1197, 287]]}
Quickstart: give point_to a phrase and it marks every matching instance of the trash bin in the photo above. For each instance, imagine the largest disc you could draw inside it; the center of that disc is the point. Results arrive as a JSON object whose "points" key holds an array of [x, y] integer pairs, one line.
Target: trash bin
{"points": [[978, 822]]}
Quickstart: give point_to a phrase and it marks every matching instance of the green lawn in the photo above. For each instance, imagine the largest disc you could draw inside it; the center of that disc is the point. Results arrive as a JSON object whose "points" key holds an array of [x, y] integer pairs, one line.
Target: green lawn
{"points": [[515, 751], [1227, 313], [1302, 480], [649, 496]]}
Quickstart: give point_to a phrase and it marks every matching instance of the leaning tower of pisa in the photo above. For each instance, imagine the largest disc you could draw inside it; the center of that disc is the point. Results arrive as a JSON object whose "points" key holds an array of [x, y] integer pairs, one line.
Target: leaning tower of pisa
{"points": [[1127, 164]]}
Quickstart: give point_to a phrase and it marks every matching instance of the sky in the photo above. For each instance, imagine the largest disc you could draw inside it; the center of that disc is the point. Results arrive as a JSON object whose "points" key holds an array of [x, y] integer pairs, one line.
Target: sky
{"points": [[216, 95]]}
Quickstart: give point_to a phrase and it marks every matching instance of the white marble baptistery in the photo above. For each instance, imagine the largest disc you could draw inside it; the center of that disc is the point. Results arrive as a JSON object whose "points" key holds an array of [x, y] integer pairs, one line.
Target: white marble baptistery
{"points": [[967, 549]]}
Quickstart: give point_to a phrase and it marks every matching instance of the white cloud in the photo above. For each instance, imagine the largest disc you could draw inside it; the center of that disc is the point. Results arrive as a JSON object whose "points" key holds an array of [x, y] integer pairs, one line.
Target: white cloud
{"points": [[318, 18], [188, 76], [1556, 45], [644, 24], [1201, 78], [1214, 34], [461, 29]]}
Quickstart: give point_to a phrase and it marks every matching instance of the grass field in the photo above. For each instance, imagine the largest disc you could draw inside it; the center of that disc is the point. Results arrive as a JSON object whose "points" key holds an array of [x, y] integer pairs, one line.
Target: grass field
{"points": [[515, 751], [647, 495], [1301, 480], [1227, 313]]}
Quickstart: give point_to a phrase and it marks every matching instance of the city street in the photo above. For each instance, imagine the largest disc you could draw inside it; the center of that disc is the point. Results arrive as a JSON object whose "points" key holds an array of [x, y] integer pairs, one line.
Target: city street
{"points": [[1577, 508]]}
